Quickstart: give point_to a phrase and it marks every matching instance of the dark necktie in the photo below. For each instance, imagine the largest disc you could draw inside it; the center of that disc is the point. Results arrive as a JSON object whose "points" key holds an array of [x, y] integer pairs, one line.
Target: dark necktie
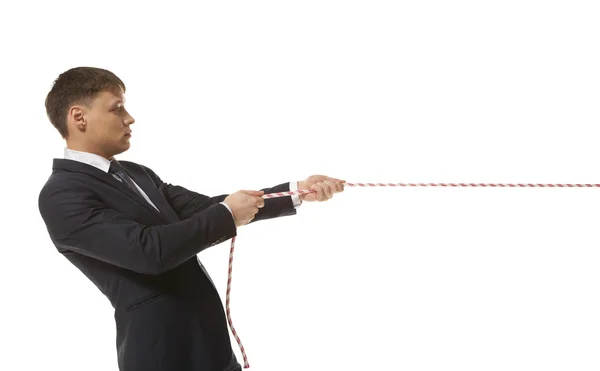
{"points": [[118, 170]]}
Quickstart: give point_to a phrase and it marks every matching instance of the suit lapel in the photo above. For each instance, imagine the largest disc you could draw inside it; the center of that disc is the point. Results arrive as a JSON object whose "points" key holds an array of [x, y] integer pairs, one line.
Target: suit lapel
{"points": [[129, 192], [157, 198]]}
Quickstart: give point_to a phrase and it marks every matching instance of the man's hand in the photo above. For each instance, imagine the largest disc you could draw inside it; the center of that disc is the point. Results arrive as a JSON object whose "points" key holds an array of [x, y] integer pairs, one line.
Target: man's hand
{"points": [[244, 205], [324, 186]]}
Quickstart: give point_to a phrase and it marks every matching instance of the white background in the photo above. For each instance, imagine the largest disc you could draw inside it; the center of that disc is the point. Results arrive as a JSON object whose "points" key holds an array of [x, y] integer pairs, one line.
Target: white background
{"points": [[247, 94]]}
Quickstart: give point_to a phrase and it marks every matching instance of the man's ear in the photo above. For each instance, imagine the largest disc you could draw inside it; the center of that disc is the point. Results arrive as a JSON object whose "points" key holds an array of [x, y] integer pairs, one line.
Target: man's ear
{"points": [[77, 117]]}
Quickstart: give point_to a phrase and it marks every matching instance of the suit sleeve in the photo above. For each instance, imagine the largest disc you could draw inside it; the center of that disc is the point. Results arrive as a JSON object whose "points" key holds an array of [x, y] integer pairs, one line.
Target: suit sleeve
{"points": [[78, 221], [186, 202]]}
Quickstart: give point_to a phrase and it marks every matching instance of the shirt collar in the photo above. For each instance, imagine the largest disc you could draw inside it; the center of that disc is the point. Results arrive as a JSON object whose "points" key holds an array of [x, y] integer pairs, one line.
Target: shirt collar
{"points": [[91, 159]]}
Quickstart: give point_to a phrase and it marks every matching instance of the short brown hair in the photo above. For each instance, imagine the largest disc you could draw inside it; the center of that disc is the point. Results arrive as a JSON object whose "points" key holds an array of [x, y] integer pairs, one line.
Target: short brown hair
{"points": [[78, 85]]}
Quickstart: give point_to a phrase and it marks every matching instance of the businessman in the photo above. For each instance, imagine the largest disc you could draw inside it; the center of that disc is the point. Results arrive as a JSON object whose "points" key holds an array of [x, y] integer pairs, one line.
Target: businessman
{"points": [[136, 237]]}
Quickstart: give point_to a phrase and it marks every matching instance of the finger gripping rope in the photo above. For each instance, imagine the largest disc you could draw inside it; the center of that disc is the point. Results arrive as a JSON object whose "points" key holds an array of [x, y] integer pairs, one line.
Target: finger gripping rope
{"points": [[305, 191]]}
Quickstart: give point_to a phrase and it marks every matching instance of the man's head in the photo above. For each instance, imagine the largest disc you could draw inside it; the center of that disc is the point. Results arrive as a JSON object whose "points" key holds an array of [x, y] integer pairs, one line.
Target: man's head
{"points": [[86, 106]]}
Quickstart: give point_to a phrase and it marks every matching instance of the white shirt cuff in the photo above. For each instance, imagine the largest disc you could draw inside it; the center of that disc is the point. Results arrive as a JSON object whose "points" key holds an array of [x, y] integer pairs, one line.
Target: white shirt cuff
{"points": [[295, 198]]}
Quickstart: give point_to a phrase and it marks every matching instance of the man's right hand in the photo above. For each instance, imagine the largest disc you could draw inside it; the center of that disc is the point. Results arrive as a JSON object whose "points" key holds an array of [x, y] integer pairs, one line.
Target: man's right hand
{"points": [[244, 205]]}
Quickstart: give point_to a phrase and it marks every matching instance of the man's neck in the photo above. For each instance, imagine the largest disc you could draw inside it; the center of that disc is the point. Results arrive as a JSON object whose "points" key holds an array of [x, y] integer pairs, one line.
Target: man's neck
{"points": [[79, 148]]}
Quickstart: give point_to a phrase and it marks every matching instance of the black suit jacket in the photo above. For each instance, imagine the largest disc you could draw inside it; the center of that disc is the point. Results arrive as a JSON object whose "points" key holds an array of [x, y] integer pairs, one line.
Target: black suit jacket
{"points": [[168, 313]]}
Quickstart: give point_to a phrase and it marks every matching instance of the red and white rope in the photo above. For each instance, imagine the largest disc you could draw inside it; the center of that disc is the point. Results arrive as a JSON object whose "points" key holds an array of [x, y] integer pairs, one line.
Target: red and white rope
{"points": [[305, 191]]}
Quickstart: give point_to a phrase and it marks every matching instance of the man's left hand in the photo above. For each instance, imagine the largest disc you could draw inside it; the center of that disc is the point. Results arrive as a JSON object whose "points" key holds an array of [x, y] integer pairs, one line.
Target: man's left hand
{"points": [[324, 187]]}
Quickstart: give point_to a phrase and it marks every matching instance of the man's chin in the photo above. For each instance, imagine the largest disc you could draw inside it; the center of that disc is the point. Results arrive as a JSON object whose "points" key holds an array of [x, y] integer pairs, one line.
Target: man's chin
{"points": [[122, 148]]}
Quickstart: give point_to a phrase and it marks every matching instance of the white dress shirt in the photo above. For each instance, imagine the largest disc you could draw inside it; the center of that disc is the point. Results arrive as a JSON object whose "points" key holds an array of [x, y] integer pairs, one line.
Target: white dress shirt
{"points": [[104, 164]]}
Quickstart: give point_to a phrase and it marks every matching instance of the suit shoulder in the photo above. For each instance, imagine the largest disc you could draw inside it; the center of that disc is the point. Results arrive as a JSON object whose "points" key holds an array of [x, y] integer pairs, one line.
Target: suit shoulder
{"points": [[54, 183], [59, 186], [62, 179]]}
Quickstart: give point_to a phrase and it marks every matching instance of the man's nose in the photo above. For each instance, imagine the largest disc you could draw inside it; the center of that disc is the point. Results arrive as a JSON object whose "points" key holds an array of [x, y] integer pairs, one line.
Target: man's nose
{"points": [[129, 120]]}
